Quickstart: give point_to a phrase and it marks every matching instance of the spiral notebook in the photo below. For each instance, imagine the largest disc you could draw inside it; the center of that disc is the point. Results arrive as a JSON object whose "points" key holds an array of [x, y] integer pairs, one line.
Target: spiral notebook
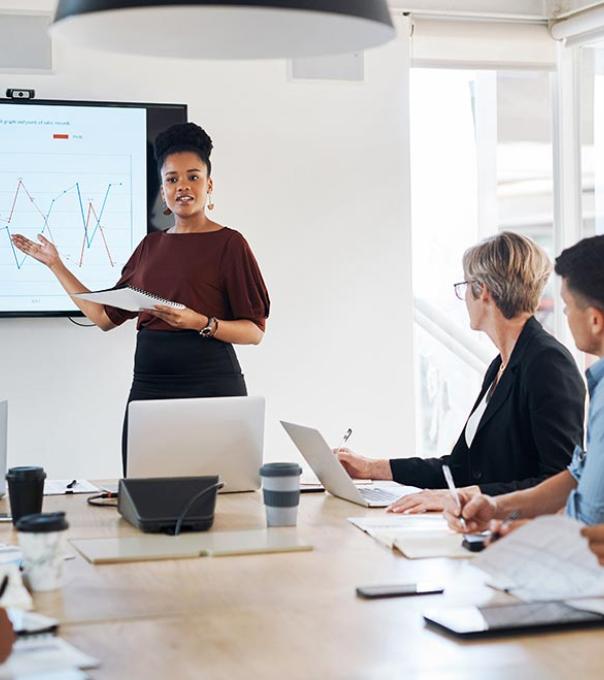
{"points": [[128, 298]]}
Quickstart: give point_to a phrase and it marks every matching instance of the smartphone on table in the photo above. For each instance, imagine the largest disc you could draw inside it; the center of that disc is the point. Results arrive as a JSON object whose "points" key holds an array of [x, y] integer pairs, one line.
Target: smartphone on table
{"points": [[399, 590]]}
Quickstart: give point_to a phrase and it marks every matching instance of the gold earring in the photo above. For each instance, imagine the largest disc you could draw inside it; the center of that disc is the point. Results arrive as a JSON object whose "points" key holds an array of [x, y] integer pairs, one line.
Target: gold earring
{"points": [[166, 210], [210, 202]]}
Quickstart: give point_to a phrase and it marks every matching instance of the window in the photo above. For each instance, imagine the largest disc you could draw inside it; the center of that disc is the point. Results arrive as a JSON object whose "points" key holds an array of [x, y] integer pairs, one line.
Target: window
{"points": [[481, 162]]}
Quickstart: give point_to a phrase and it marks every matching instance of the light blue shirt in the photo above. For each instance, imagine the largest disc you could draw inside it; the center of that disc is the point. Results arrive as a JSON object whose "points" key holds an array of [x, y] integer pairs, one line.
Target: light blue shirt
{"points": [[586, 502]]}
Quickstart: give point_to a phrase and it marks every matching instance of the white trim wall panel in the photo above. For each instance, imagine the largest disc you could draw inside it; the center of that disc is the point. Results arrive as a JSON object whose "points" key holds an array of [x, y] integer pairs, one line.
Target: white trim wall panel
{"points": [[518, 8], [481, 44]]}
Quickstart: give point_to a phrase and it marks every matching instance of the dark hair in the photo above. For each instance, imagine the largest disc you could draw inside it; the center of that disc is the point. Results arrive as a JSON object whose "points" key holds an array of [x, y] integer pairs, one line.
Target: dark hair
{"points": [[183, 137], [582, 266]]}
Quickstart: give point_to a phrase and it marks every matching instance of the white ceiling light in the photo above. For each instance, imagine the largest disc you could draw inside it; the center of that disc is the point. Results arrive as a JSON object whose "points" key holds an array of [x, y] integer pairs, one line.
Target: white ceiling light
{"points": [[225, 29]]}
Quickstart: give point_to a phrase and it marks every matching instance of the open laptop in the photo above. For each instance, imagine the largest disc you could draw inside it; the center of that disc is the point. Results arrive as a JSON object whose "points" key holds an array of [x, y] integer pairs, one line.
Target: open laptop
{"points": [[334, 477], [3, 445], [193, 437]]}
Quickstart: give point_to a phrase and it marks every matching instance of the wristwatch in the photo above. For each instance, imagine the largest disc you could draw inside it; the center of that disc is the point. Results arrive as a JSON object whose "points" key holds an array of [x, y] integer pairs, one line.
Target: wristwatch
{"points": [[211, 328]]}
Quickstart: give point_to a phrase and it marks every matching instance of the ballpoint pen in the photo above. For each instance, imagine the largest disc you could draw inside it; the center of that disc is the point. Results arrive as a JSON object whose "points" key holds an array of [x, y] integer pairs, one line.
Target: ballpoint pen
{"points": [[453, 490], [346, 437], [505, 523], [3, 585]]}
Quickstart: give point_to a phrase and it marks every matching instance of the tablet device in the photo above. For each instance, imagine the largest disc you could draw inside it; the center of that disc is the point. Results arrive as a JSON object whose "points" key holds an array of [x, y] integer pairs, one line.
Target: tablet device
{"points": [[521, 617]]}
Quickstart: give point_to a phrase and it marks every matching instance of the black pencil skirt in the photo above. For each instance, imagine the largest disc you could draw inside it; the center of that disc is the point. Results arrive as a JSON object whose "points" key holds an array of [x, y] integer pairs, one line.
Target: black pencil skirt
{"points": [[180, 365]]}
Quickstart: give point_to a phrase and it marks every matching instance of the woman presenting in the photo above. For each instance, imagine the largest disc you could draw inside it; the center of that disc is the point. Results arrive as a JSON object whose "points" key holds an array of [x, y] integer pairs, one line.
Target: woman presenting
{"points": [[203, 265]]}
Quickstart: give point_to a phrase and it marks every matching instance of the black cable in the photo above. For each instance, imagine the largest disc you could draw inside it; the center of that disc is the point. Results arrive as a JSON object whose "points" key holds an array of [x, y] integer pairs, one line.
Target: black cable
{"points": [[84, 325], [188, 506], [106, 499]]}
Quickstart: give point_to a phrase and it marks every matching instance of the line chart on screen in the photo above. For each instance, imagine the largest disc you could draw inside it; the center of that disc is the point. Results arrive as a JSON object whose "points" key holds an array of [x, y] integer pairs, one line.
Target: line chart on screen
{"points": [[78, 178]]}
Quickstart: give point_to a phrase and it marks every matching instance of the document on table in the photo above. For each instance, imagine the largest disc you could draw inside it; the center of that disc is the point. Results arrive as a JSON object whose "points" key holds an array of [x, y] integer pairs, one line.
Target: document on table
{"points": [[546, 559], [56, 487], [415, 536], [10, 554], [16, 594], [588, 604], [45, 656]]}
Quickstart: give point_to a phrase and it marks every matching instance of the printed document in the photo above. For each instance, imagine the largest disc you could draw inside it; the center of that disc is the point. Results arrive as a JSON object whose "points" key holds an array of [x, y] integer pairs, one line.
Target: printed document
{"points": [[546, 559]]}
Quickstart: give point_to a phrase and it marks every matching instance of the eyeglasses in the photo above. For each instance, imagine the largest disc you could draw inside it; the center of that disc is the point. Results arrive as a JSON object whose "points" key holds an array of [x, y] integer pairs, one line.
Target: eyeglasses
{"points": [[460, 289]]}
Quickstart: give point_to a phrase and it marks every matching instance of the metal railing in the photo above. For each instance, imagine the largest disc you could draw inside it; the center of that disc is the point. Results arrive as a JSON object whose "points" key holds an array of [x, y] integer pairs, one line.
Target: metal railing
{"points": [[455, 339]]}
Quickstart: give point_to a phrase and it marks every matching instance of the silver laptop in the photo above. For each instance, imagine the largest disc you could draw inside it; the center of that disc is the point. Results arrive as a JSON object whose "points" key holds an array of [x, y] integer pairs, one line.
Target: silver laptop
{"points": [[3, 445], [334, 477], [189, 437]]}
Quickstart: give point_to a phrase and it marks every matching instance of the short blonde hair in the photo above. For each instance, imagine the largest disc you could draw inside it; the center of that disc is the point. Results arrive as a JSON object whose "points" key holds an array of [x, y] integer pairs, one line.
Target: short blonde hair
{"points": [[512, 267]]}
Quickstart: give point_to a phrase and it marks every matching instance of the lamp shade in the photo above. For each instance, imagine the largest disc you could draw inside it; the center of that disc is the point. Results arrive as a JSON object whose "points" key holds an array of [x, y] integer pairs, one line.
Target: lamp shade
{"points": [[225, 29]]}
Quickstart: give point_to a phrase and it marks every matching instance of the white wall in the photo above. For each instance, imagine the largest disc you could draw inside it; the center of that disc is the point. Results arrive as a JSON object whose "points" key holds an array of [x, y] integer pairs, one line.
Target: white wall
{"points": [[315, 174]]}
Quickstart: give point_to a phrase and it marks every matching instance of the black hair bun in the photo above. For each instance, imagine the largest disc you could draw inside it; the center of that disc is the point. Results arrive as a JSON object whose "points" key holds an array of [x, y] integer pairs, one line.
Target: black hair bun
{"points": [[183, 137]]}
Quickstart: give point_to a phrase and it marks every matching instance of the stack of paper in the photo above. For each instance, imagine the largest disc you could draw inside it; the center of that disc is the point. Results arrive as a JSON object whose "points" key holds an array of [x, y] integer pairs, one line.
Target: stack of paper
{"points": [[546, 559]]}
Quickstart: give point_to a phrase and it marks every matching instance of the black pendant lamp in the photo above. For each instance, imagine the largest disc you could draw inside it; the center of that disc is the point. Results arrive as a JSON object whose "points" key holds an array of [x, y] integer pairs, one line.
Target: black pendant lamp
{"points": [[225, 29]]}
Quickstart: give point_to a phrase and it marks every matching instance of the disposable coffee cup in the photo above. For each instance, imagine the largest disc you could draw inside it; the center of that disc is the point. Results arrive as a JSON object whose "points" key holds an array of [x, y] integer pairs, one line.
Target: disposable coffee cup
{"points": [[281, 491], [25, 491], [42, 538]]}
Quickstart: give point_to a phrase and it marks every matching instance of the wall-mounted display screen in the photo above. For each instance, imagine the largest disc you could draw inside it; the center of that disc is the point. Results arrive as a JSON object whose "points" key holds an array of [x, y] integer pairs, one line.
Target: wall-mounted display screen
{"points": [[82, 174]]}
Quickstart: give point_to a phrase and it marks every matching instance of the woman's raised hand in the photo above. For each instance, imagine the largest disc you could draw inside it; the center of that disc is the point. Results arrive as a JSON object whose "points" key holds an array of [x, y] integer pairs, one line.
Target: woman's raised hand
{"points": [[44, 252]]}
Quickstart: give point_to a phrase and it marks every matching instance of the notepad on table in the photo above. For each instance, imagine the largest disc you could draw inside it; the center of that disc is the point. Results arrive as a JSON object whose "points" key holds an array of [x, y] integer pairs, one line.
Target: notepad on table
{"points": [[128, 298], [56, 487], [210, 544], [415, 536]]}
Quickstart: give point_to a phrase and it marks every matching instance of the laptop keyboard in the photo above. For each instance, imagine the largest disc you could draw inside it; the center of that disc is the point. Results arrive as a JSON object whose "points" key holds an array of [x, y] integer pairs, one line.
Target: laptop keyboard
{"points": [[378, 495]]}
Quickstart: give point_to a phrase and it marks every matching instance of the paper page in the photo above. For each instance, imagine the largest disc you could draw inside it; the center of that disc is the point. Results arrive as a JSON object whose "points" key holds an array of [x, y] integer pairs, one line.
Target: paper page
{"points": [[443, 543], [546, 559], [416, 536], [10, 554], [588, 604], [387, 520], [47, 652], [30, 622], [126, 298], [16, 594], [56, 487]]}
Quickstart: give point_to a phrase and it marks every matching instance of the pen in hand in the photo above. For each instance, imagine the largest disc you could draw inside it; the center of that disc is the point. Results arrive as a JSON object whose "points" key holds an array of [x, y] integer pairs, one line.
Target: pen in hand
{"points": [[345, 438], [453, 490]]}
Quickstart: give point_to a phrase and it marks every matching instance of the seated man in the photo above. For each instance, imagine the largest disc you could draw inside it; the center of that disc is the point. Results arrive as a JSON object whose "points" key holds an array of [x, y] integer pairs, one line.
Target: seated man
{"points": [[581, 486]]}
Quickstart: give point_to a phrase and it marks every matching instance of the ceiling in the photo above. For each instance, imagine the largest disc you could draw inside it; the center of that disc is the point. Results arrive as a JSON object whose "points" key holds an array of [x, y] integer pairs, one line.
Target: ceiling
{"points": [[518, 9]]}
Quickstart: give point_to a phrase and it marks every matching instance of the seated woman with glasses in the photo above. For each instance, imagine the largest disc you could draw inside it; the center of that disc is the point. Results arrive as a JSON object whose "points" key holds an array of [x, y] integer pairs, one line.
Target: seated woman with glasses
{"points": [[528, 416]]}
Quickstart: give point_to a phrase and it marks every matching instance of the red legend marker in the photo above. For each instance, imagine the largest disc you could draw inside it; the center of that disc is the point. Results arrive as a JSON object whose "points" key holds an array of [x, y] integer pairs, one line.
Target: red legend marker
{"points": [[61, 135]]}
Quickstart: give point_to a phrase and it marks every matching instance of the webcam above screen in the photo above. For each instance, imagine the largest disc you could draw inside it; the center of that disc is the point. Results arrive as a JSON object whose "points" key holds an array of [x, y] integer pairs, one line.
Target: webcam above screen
{"points": [[83, 174]]}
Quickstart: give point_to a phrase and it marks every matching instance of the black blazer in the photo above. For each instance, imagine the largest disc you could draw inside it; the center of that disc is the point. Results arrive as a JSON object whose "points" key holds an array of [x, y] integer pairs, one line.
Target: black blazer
{"points": [[528, 430]]}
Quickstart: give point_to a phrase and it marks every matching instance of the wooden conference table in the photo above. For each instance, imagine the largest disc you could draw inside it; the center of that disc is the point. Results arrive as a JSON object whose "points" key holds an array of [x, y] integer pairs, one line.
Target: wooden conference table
{"points": [[290, 615]]}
